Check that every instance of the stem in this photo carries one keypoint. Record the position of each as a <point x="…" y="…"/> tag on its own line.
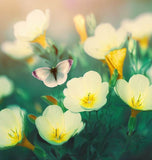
<point x="97" y="115"/>
<point x="134" y="113"/>
<point x="132" y="121"/>
<point x="26" y="143"/>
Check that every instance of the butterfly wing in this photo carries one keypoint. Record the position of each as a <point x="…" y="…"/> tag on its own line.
<point x="44" y="74"/>
<point x="63" y="69"/>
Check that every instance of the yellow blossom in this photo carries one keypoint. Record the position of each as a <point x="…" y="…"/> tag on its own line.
<point x="79" y="22"/>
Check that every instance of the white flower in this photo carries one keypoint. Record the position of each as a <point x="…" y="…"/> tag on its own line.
<point x="86" y="93"/>
<point x="57" y="127"/>
<point x="17" y="49"/>
<point x="11" y="126"/>
<point x="140" y="28"/>
<point x="35" y="25"/>
<point x="6" y="86"/>
<point x="136" y="93"/>
<point x="106" y="39"/>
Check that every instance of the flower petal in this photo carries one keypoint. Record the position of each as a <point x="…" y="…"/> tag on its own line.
<point x="44" y="127"/>
<point x="123" y="90"/>
<point x="138" y="83"/>
<point x="55" y="116"/>
<point x="72" y="121"/>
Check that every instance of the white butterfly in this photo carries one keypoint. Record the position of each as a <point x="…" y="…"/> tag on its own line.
<point x="52" y="77"/>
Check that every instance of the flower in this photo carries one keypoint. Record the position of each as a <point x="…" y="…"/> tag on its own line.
<point x="136" y="93"/>
<point x="107" y="45"/>
<point x="86" y="93"/>
<point x="140" y="28"/>
<point x="57" y="127"/>
<point x="17" y="49"/>
<point x="6" y="86"/>
<point x="34" y="28"/>
<point x="79" y="22"/>
<point x="106" y="39"/>
<point x="11" y="126"/>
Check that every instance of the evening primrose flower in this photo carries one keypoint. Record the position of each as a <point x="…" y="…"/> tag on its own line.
<point x="86" y="93"/>
<point x="12" y="128"/>
<point x="57" y="127"/>
<point x="79" y="22"/>
<point x="136" y="93"/>
<point x="34" y="28"/>
<point x="17" y="49"/>
<point x="107" y="45"/>
<point x="6" y="86"/>
<point x="140" y="28"/>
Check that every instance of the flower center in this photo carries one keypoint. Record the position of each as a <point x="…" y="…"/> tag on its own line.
<point x="58" y="136"/>
<point x="15" y="136"/>
<point x="137" y="104"/>
<point x="41" y="40"/>
<point x="88" y="101"/>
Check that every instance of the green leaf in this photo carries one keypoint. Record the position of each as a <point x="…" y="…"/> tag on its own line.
<point x="114" y="78"/>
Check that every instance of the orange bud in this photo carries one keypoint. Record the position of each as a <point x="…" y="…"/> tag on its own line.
<point x="79" y="22"/>
<point x="31" y="116"/>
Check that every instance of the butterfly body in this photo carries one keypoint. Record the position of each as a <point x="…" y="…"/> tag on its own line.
<point x="52" y="77"/>
<point x="54" y="72"/>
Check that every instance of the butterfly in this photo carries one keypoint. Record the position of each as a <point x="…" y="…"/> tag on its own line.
<point x="52" y="77"/>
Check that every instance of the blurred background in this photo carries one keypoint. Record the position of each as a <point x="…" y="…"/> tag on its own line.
<point x="63" y="11"/>
<point x="29" y="90"/>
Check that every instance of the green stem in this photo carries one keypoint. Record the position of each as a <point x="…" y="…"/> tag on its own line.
<point x="131" y="125"/>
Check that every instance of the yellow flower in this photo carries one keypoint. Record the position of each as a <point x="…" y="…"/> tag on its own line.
<point x="34" y="28"/>
<point x="86" y="93"/>
<point x="136" y="93"/>
<point x="11" y="126"/>
<point x="107" y="45"/>
<point x="17" y="49"/>
<point x="140" y="28"/>
<point x="79" y="22"/>
<point x="57" y="127"/>
<point x="6" y="86"/>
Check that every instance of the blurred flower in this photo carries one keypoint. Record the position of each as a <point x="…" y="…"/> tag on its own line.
<point x="136" y="93"/>
<point x="79" y="22"/>
<point x="107" y="45"/>
<point x="6" y="86"/>
<point x="140" y="28"/>
<point x="86" y="93"/>
<point x="34" y="28"/>
<point x="17" y="49"/>
<point x="11" y="126"/>
<point x="57" y="127"/>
